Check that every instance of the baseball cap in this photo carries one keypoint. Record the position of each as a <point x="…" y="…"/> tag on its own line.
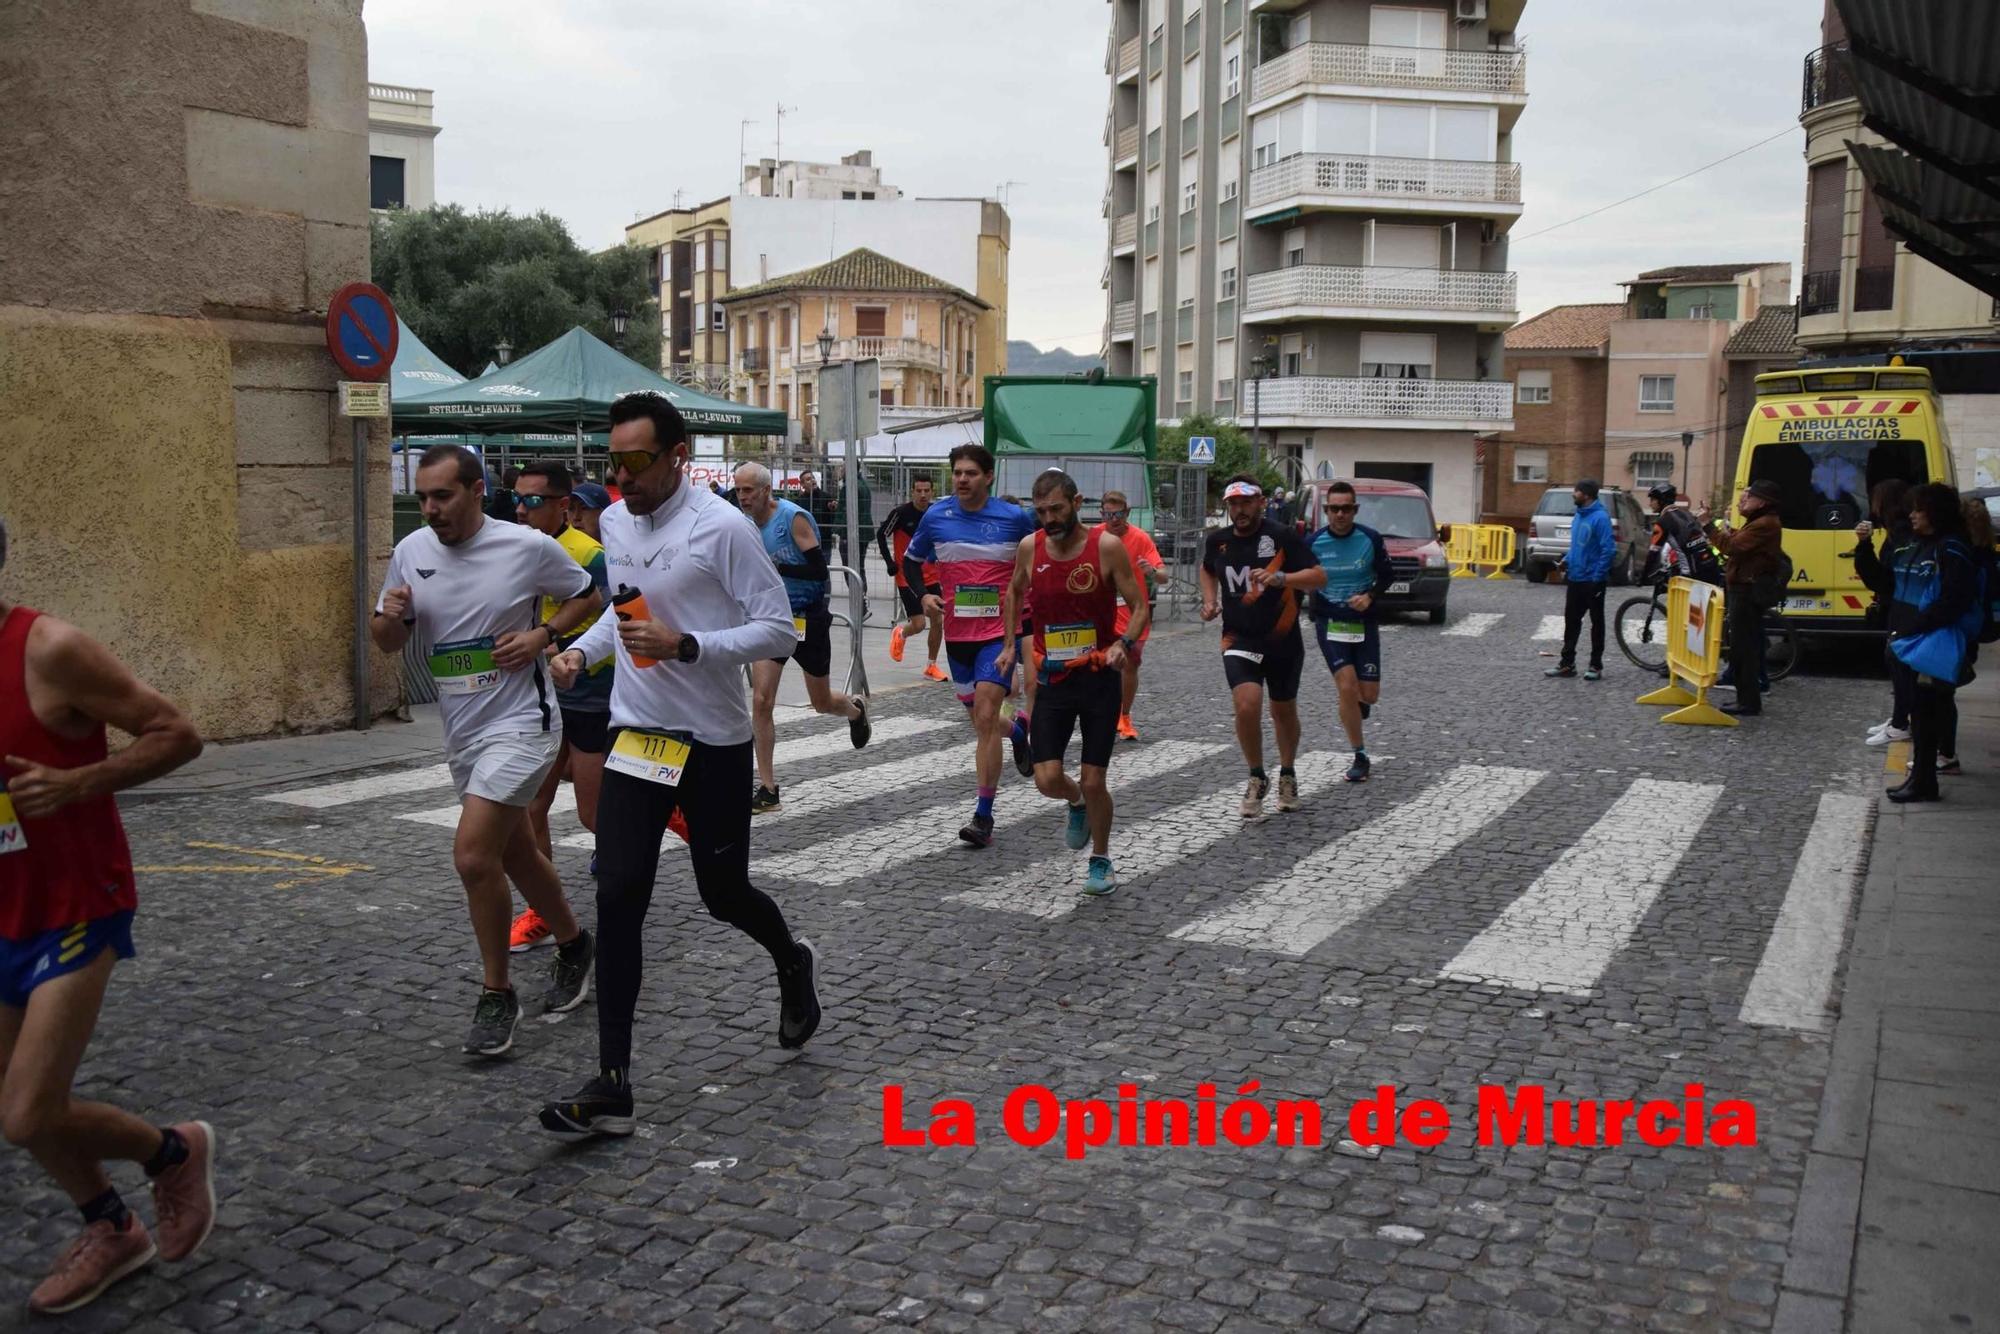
<point x="592" y="496"/>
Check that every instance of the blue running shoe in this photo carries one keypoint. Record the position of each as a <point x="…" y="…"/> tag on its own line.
<point x="1357" y="772"/>
<point x="1100" y="881"/>
<point x="1077" y="834"/>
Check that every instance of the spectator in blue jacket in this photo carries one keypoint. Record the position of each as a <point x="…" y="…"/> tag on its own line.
<point x="1588" y="569"/>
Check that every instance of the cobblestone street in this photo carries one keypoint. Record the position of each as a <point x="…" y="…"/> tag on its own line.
<point x="1540" y="885"/>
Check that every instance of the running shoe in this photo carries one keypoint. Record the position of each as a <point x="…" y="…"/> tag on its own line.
<point x="1888" y="734"/>
<point x="1593" y="674"/>
<point x="676" y="822"/>
<point x="764" y="801"/>
<point x="978" y="831"/>
<point x="1253" y="798"/>
<point x="601" y="1107"/>
<point x="1076" y="834"/>
<point x="896" y="644"/>
<point x="1357" y="772"/>
<point x="1882" y="726"/>
<point x="99" y="1257"/>
<point x="1560" y="671"/>
<point x="1024" y="759"/>
<point x="1365" y="707"/>
<point x="593" y="856"/>
<point x="1100" y="881"/>
<point x="798" y="998"/>
<point x="859" y="729"/>
<point x="1948" y="764"/>
<point x="569" y="975"/>
<point x="1288" y="792"/>
<point x="493" y="1023"/>
<point x="1127" y="732"/>
<point x="530" y="930"/>
<point x="935" y="673"/>
<point x="184" y="1194"/>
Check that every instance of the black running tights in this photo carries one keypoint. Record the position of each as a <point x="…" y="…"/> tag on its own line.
<point x="632" y="815"/>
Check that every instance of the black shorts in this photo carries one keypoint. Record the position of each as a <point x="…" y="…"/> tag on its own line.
<point x="1277" y="668"/>
<point x="913" y="601"/>
<point x="1364" y="655"/>
<point x="814" y="650"/>
<point x="1089" y="698"/>
<point x="585" y="731"/>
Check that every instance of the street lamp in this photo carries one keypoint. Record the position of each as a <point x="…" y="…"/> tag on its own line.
<point x="1687" y="443"/>
<point x="1258" y="366"/>
<point x="825" y="346"/>
<point x="618" y="319"/>
<point x="503" y="352"/>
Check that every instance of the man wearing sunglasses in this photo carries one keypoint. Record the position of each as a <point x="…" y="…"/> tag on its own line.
<point x="680" y="736"/>
<point x="1354" y="570"/>
<point x="1146" y="563"/>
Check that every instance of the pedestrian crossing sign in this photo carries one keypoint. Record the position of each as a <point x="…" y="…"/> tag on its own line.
<point x="1201" y="449"/>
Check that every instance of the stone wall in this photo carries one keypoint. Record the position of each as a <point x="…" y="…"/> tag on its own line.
<point x="183" y="186"/>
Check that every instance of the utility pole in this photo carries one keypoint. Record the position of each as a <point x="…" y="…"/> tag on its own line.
<point x="742" y="148"/>
<point x="778" y="148"/>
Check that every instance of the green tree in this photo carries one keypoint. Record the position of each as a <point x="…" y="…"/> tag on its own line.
<point x="465" y="282"/>
<point x="1233" y="453"/>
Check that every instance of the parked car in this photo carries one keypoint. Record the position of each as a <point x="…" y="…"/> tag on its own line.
<point x="1402" y="514"/>
<point x="1548" y="533"/>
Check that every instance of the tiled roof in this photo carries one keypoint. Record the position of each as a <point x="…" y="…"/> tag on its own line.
<point x="1701" y="273"/>
<point x="1585" y="326"/>
<point x="858" y="270"/>
<point x="1774" y="333"/>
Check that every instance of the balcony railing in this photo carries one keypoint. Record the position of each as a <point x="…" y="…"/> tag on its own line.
<point x="1124" y="319"/>
<point x="1828" y="77"/>
<point x="1819" y="293"/>
<point x="755" y="358"/>
<point x="1383" y="287"/>
<point x="1439" y="180"/>
<point x="1128" y="58"/>
<point x="906" y="351"/>
<point x="1127" y="144"/>
<point x="1391" y="67"/>
<point x="1125" y="230"/>
<point x="1343" y="398"/>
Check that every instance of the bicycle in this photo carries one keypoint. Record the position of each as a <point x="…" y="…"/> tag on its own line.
<point x="1641" y="628"/>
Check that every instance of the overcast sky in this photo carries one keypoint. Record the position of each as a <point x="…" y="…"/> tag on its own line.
<point x="599" y="110"/>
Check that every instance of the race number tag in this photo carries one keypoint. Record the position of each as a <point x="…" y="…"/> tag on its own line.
<point x="12" y="838"/>
<point x="976" y="602"/>
<point x="1346" y="632"/>
<point x="1067" y="643"/>
<point x="655" y="757"/>
<point x="465" y="667"/>
<point x="798" y="627"/>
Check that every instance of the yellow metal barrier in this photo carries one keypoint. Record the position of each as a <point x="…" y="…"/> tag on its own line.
<point x="1694" y="654"/>
<point x="1475" y="544"/>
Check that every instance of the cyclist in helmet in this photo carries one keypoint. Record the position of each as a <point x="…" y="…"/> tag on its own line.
<point x="1679" y="544"/>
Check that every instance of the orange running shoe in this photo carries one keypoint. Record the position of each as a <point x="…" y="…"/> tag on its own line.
<point x="1125" y="728"/>
<point x="529" y="931"/>
<point x="935" y="673"/>
<point x="896" y="644"/>
<point x="678" y="823"/>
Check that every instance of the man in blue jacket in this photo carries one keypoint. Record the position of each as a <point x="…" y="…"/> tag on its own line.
<point x="1589" y="567"/>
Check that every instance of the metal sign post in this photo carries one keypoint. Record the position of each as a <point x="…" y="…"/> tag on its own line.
<point x="361" y="335"/>
<point x="850" y="397"/>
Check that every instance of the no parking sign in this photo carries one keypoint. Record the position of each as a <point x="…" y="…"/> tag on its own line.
<point x="361" y="331"/>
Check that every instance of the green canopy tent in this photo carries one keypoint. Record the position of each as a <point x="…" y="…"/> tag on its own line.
<point x="570" y="385"/>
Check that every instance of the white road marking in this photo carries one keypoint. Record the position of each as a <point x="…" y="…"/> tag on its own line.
<point x="1049" y="888"/>
<point x="1550" y="628"/>
<point x="1338" y="882"/>
<point x="1565" y="930"/>
<point x="1476" y="624"/>
<point x="1795" y="976"/>
<point x="836" y="861"/>
<point x="364" y="789"/>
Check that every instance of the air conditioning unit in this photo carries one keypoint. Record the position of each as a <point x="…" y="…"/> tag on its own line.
<point x="1471" y="11"/>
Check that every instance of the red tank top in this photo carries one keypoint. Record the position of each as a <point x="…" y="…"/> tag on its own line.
<point x="1076" y="607"/>
<point x="73" y="866"/>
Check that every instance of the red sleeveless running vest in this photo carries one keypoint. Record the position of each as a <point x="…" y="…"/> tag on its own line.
<point x="70" y="867"/>
<point x="1070" y="594"/>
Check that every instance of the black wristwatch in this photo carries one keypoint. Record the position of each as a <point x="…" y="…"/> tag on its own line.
<point x="689" y="650"/>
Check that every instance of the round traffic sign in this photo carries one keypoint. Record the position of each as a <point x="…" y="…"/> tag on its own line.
<point x="361" y="331"/>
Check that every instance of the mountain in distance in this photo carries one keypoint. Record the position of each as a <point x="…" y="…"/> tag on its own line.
<point x="1024" y="358"/>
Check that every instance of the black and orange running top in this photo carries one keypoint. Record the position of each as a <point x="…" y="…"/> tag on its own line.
<point x="1257" y="620"/>
<point x="1076" y="607"/>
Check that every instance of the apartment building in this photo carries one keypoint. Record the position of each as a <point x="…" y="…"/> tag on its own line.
<point x="691" y="272"/>
<point x="923" y="330"/>
<point x="402" y="147"/>
<point x="853" y="177"/>
<point x="1318" y="192"/>
<point x="1560" y="361"/>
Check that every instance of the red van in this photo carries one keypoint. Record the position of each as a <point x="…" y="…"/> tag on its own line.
<point x="1402" y="514"/>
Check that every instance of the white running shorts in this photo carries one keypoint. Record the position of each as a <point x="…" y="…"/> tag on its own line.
<point x="508" y="768"/>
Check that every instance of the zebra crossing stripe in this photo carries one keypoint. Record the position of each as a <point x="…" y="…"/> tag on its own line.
<point x="1476" y="624"/>
<point x="1795" y="976"/>
<point x="837" y="861"/>
<point x="1565" y="930"/>
<point x="1048" y="889"/>
<point x="1550" y="628"/>
<point x="365" y="789"/>
<point x="1338" y="882"/>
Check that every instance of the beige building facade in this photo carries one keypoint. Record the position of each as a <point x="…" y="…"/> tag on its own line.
<point x="178" y="479"/>
<point x="691" y="274"/>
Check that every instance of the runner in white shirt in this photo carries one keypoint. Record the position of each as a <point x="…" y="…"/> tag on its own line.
<point x="468" y="588"/>
<point x="709" y="601"/>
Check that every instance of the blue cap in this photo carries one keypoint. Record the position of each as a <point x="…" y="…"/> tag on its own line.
<point x="592" y="496"/>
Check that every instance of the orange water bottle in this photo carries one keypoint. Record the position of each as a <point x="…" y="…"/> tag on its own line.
<point x="628" y="604"/>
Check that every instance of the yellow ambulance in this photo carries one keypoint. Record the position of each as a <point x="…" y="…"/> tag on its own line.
<point x="1827" y="437"/>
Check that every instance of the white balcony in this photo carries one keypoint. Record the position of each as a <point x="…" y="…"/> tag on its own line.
<point x="1124" y="232"/>
<point x="1334" y="292"/>
<point x="1436" y="74"/>
<point x="889" y="351"/>
<point x="1326" y="400"/>
<point x="1128" y="60"/>
<point x="1124" y="321"/>
<point x="1338" y="181"/>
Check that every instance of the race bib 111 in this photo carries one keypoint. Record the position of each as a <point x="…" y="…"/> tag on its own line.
<point x="653" y="757"/>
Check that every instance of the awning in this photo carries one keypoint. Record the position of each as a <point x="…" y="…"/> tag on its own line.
<point x="1650" y="456"/>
